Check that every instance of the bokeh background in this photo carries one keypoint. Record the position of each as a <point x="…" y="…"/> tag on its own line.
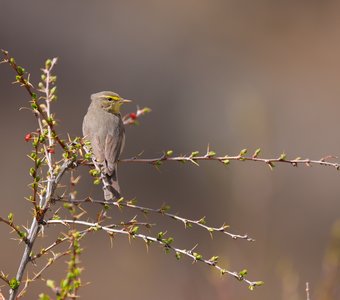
<point x="234" y="74"/>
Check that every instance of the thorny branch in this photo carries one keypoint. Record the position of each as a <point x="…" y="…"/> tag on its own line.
<point x="163" y="211"/>
<point x="56" y="243"/>
<point x="35" y="227"/>
<point x="45" y="120"/>
<point x="50" y="261"/>
<point x="167" y="245"/>
<point x="21" y="234"/>
<point x="37" y="109"/>
<point x="4" y="277"/>
<point x="194" y="158"/>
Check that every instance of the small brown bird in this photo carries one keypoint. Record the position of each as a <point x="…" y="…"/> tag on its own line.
<point x="104" y="128"/>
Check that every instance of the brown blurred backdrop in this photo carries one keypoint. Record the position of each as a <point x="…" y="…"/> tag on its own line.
<point x="235" y="74"/>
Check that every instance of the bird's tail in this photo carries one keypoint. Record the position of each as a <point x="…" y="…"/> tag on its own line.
<point x="111" y="186"/>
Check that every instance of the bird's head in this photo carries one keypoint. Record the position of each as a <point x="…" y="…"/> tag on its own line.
<point x="109" y="101"/>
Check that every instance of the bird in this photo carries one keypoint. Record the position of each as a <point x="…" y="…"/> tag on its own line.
<point x="104" y="129"/>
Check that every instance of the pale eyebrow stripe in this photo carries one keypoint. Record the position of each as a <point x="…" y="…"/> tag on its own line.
<point x="113" y="97"/>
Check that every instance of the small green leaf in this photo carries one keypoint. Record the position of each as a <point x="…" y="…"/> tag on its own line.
<point x="48" y="64"/>
<point x="10" y="217"/>
<point x="168" y="241"/>
<point x="188" y="224"/>
<point x="243" y="273"/>
<point x="50" y="283"/>
<point x="132" y="201"/>
<point x="22" y="234"/>
<point x="160" y="235"/>
<point x="202" y="221"/>
<point x="96" y="228"/>
<point x="282" y="156"/>
<point x="214" y="259"/>
<point x="33" y="155"/>
<point x="44" y="297"/>
<point x="120" y="200"/>
<point x="53" y="90"/>
<point x="257" y="152"/>
<point x="211" y="153"/>
<point x="134" y="230"/>
<point x="255" y="284"/>
<point x="96" y="181"/>
<point x="14" y="283"/>
<point x="68" y="205"/>
<point x="158" y="163"/>
<point x="146" y="110"/>
<point x="20" y="70"/>
<point x="194" y="153"/>
<point x="94" y="172"/>
<point x="64" y="284"/>
<point x="226" y="162"/>
<point x="56" y="217"/>
<point x="165" y="208"/>
<point x="243" y="152"/>
<point x="38" y="162"/>
<point x="197" y="256"/>
<point x="169" y="152"/>
<point x="32" y="172"/>
<point x="178" y="255"/>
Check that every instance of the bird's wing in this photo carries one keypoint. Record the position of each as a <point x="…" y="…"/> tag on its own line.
<point x="90" y="134"/>
<point x="113" y="148"/>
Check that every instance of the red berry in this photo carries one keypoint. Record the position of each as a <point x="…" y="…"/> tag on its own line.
<point x="133" y="116"/>
<point x="27" y="137"/>
<point x="51" y="150"/>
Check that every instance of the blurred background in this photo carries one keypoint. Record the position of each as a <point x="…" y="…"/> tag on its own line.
<point x="229" y="73"/>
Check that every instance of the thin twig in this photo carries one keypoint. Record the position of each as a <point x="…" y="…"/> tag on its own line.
<point x="226" y="159"/>
<point x="57" y="242"/>
<point x="29" y="88"/>
<point x="163" y="211"/>
<point x="132" y="118"/>
<point x="16" y="229"/>
<point x="307" y="291"/>
<point x="4" y="278"/>
<point x="37" y="275"/>
<point x="149" y="239"/>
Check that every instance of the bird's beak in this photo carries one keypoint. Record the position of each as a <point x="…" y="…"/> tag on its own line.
<point x="126" y="101"/>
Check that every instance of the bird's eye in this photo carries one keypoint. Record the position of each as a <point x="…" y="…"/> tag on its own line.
<point x="112" y="98"/>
